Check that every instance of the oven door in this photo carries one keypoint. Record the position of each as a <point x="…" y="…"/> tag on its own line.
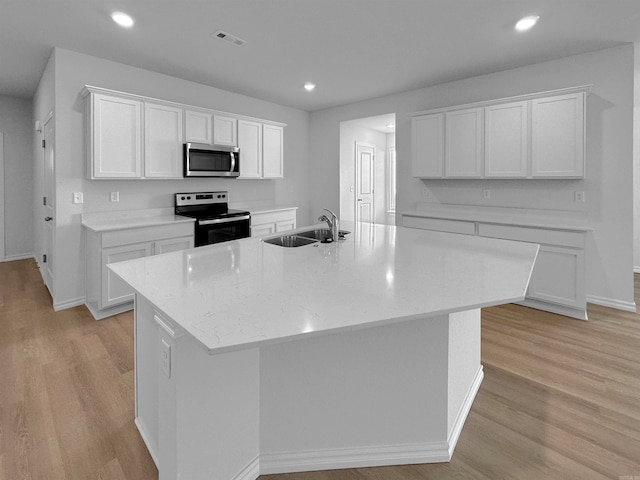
<point x="222" y="230"/>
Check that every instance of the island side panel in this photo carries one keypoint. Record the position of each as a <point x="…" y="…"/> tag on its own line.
<point x="369" y="397"/>
<point x="146" y="375"/>
<point x="198" y="413"/>
<point x="465" y="369"/>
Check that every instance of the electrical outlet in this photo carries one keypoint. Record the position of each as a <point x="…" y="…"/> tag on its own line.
<point x="425" y="192"/>
<point x="579" y="196"/>
<point x="115" y="197"/>
<point x="165" y="358"/>
<point x="78" y="197"/>
<point x="486" y="194"/>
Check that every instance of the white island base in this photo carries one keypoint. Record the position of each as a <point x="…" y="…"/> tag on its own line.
<point x="382" y="395"/>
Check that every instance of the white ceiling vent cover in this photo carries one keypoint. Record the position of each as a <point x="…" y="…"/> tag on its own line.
<point x="227" y="37"/>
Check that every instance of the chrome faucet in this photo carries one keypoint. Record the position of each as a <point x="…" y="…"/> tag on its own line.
<point x="333" y="223"/>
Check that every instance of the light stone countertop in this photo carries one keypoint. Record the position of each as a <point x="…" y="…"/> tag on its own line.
<point x="243" y="293"/>
<point x="120" y="220"/>
<point x="549" y="219"/>
<point x="260" y="207"/>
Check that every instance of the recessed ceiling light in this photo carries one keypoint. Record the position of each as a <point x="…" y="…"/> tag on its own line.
<point x="526" y="23"/>
<point x="122" y="19"/>
<point x="309" y="87"/>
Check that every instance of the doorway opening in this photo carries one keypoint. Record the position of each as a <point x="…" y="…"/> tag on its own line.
<point x="368" y="169"/>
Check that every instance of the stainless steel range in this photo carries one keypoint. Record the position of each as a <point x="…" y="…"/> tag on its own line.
<point x="215" y="221"/>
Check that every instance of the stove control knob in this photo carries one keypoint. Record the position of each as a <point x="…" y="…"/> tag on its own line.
<point x="188" y="198"/>
<point x="181" y="198"/>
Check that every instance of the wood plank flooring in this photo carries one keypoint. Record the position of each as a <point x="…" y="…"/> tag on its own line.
<point x="560" y="398"/>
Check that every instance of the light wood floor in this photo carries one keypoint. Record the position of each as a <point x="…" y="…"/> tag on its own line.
<point x="560" y="398"/>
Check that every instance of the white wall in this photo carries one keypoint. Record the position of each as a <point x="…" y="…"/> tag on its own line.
<point x="72" y="72"/>
<point x="17" y="126"/>
<point x="636" y="159"/>
<point x="608" y="184"/>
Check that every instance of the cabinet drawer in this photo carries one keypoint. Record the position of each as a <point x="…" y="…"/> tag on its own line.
<point x="146" y="234"/>
<point x="534" y="235"/>
<point x="440" y="225"/>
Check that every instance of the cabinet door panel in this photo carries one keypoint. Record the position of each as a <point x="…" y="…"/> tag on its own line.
<point x="506" y="140"/>
<point x="558" y="277"/>
<point x="272" y="151"/>
<point x="172" y="245"/>
<point x="162" y="141"/>
<point x="198" y="127"/>
<point x="114" y="290"/>
<point x="285" y="225"/>
<point x="463" y="149"/>
<point x="427" y="154"/>
<point x="225" y="130"/>
<point x="250" y="144"/>
<point x="558" y="136"/>
<point x="117" y="137"/>
<point x="264" y="229"/>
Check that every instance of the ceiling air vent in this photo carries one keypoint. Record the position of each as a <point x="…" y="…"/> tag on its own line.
<point x="227" y="37"/>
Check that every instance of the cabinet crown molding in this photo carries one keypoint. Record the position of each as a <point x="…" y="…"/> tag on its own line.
<point x="586" y="89"/>
<point x="88" y="89"/>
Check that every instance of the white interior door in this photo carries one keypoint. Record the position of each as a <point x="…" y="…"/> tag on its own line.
<point x="49" y="205"/>
<point x="365" y="181"/>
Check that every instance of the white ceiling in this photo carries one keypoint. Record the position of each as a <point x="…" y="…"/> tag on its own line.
<point x="352" y="49"/>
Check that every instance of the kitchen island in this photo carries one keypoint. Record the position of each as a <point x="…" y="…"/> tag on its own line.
<point x="252" y="358"/>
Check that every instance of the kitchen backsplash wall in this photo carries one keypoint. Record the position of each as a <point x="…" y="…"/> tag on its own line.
<point x="608" y="184"/>
<point x="72" y="72"/>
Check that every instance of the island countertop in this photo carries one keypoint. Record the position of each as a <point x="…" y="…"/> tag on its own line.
<point x="244" y="293"/>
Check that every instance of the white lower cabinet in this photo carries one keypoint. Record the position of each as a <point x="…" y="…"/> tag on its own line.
<point x="558" y="279"/>
<point x="273" y="221"/>
<point x="114" y="291"/>
<point x="106" y="294"/>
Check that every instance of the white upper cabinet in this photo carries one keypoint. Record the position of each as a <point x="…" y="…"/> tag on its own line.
<point x="225" y="130"/>
<point x="427" y="137"/>
<point x="272" y="151"/>
<point x="114" y="137"/>
<point x="506" y="144"/>
<point x="539" y="135"/>
<point x="250" y="144"/>
<point x="558" y="136"/>
<point x="463" y="146"/>
<point x="130" y="136"/>
<point x="162" y="141"/>
<point x="198" y="127"/>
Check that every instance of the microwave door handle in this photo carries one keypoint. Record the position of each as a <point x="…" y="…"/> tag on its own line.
<point x="233" y="162"/>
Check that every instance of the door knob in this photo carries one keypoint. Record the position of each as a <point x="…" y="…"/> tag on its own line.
<point x="48" y="219"/>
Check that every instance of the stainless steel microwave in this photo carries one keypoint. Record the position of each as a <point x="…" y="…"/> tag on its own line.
<point x="203" y="160"/>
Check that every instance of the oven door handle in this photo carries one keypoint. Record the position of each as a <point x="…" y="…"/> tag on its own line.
<point x="223" y="220"/>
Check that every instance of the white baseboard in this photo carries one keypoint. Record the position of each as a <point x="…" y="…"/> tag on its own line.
<point x="377" y="456"/>
<point x="612" y="303"/>
<point x="74" y="302"/>
<point x="250" y="472"/>
<point x="465" y="408"/>
<point x="22" y="256"/>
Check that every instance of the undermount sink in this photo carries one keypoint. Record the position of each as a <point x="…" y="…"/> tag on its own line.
<point x="290" y="241"/>
<point x="301" y="239"/>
